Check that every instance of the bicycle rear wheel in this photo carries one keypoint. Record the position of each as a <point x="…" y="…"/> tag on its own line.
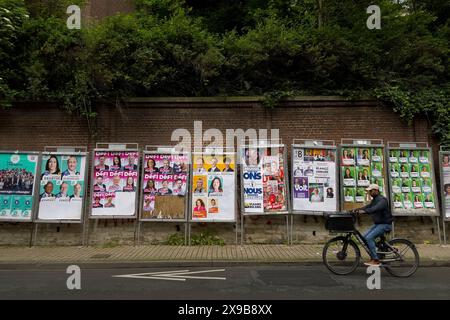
<point x="341" y="256"/>
<point x="405" y="256"/>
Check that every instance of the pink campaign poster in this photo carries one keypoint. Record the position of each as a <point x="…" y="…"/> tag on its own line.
<point x="114" y="183"/>
<point x="164" y="186"/>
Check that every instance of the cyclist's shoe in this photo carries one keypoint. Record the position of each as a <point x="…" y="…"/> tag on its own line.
<point x="373" y="263"/>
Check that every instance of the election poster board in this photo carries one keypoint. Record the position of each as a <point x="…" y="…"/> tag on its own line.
<point x="412" y="182"/>
<point x="264" y="184"/>
<point x="62" y="187"/>
<point x="18" y="171"/>
<point x="314" y="179"/>
<point x="114" y="183"/>
<point x="361" y="163"/>
<point x="165" y="185"/>
<point x="444" y="160"/>
<point x="213" y="187"/>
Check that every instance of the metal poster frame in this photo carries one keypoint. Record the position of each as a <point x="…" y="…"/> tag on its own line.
<point x="312" y="144"/>
<point x="277" y="143"/>
<point x="35" y="184"/>
<point x="151" y="149"/>
<point x="83" y="207"/>
<point x="360" y="143"/>
<point x="212" y="151"/>
<point x="443" y="151"/>
<point x="66" y="150"/>
<point x="114" y="147"/>
<point x="35" y="191"/>
<point x="414" y="146"/>
<point x="394" y="145"/>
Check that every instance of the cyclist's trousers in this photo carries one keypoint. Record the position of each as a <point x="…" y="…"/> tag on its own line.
<point x="374" y="232"/>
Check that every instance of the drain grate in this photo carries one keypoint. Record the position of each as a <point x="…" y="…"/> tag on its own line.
<point x="100" y="256"/>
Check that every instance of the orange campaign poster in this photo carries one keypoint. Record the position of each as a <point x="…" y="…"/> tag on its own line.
<point x="214" y="187"/>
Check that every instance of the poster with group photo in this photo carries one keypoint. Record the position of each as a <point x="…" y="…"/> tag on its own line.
<point x="214" y="187"/>
<point x="61" y="187"/>
<point x="164" y="186"/>
<point x="114" y="183"/>
<point x="314" y="186"/>
<point x="360" y="167"/>
<point x="17" y="180"/>
<point x="412" y="187"/>
<point x="445" y="167"/>
<point x="263" y="180"/>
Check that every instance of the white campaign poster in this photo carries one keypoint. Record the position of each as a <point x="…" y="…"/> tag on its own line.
<point x="445" y="165"/>
<point x="62" y="187"/>
<point x="314" y="185"/>
<point x="264" y="185"/>
<point x="252" y="181"/>
<point x="214" y="187"/>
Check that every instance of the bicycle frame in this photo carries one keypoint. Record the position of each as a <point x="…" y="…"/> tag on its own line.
<point x="363" y="242"/>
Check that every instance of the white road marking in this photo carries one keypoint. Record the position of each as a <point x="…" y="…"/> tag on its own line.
<point x="179" y="275"/>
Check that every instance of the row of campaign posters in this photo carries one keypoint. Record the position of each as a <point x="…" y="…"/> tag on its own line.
<point x="59" y="183"/>
<point x="445" y="165"/>
<point x="263" y="180"/>
<point x="412" y="188"/>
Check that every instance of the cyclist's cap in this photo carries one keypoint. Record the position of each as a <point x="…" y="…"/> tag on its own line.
<point x="373" y="187"/>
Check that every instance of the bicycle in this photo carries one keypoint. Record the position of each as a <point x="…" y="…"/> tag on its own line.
<point x="341" y="255"/>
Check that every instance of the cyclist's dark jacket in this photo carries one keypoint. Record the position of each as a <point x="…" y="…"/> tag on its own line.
<point x="379" y="210"/>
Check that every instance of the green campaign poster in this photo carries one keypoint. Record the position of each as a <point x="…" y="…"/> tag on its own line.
<point x="361" y="166"/>
<point x="349" y="195"/>
<point x="411" y="174"/>
<point x="17" y="180"/>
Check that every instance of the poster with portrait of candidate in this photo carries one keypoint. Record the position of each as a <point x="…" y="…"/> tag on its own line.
<point x="314" y="186"/>
<point x="164" y="186"/>
<point x="17" y="181"/>
<point x="412" y="176"/>
<point x="214" y="187"/>
<point x="445" y="182"/>
<point x="349" y="195"/>
<point x="264" y="188"/>
<point x="114" y="183"/>
<point x="368" y="168"/>
<point x="62" y="186"/>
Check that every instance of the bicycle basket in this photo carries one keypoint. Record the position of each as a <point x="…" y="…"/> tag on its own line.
<point x="340" y="222"/>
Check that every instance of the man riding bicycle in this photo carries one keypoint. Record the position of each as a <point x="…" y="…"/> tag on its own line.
<point x="381" y="215"/>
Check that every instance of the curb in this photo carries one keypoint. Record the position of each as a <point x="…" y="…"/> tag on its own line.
<point x="14" y="265"/>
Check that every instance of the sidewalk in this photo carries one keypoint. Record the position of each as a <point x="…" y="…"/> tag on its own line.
<point x="431" y="255"/>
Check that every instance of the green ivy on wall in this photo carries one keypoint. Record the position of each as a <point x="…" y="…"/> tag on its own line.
<point x="273" y="48"/>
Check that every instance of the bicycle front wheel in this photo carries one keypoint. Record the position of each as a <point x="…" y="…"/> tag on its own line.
<point x="341" y="255"/>
<point x="403" y="259"/>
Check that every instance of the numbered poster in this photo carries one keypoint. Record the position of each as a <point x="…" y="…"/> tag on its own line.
<point x="412" y="186"/>
<point x="114" y="183"/>
<point x="314" y="185"/>
<point x="62" y="187"/>
<point x="360" y="167"/>
<point x="445" y="167"/>
<point x="263" y="179"/>
<point x="214" y="187"/>
<point x="164" y="185"/>
<point x="17" y="180"/>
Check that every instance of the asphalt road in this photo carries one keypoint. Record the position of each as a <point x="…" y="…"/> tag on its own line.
<point x="260" y="282"/>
